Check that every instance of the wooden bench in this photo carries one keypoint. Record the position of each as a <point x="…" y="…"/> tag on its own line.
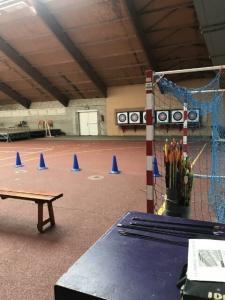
<point x="38" y="198"/>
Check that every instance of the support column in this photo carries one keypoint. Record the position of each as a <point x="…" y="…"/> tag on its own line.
<point x="149" y="140"/>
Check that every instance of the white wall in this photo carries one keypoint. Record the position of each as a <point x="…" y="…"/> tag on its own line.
<point x="65" y="118"/>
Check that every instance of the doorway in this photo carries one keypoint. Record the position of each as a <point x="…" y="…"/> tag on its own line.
<point x="88" y="122"/>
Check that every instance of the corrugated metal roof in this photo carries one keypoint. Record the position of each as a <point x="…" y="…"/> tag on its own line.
<point x="211" y="15"/>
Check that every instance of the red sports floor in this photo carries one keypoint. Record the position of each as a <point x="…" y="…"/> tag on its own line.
<point x="31" y="263"/>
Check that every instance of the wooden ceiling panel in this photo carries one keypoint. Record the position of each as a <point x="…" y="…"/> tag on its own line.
<point x="119" y="60"/>
<point x="36" y="44"/>
<point x="78" y="77"/>
<point x="101" y="33"/>
<point x="24" y="28"/>
<point x="10" y="76"/>
<point x="41" y="99"/>
<point x="114" y="75"/>
<point x="97" y="11"/>
<point x="32" y="92"/>
<point x="13" y="16"/>
<point x="21" y="84"/>
<point x="58" y="6"/>
<point x="127" y="81"/>
<point x="84" y="85"/>
<point x="54" y="57"/>
<point x="49" y="68"/>
<point x="111" y="49"/>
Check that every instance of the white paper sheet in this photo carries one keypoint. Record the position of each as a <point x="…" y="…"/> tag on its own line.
<point x="206" y="260"/>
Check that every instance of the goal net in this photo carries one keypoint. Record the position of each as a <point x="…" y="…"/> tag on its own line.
<point x="205" y="141"/>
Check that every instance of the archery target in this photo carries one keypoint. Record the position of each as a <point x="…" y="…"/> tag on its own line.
<point x="135" y="117"/>
<point x="162" y="116"/>
<point x="144" y="117"/>
<point x="122" y="118"/>
<point x="193" y="115"/>
<point x="177" y="116"/>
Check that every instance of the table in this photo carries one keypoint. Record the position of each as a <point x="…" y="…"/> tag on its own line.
<point x="125" y="268"/>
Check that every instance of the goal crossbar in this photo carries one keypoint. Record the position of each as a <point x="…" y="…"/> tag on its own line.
<point x="211" y="68"/>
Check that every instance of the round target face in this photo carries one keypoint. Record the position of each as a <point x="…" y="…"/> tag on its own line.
<point x="162" y="116"/>
<point x="122" y="117"/>
<point x="177" y="116"/>
<point x="134" y="117"/>
<point x="192" y="115"/>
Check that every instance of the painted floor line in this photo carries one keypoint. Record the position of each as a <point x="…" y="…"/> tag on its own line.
<point x="208" y="176"/>
<point x="197" y="157"/>
<point x="69" y="152"/>
<point x="28" y="153"/>
<point x="32" y="148"/>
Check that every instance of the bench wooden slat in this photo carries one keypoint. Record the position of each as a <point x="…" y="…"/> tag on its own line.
<point x="25" y="192"/>
<point x="29" y="196"/>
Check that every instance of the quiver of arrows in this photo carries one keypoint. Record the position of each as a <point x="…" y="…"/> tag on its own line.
<point x="178" y="175"/>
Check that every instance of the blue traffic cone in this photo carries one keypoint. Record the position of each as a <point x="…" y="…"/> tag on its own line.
<point x="42" y="165"/>
<point x="75" y="164"/>
<point x="155" y="168"/>
<point x="18" y="160"/>
<point x="114" y="166"/>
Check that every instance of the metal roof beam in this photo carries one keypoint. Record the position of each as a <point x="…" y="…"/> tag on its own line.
<point x="167" y="28"/>
<point x="20" y="61"/>
<point x="186" y="44"/>
<point x="69" y="45"/>
<point x="180" y="59"/>
<point x="146" y="6"/>
<point x="6" y="89"/>
<point x="188" y="4"/>
<point x="159" y="43"/>
<point x="142" y="37"/>
<point x="162" y="19"/>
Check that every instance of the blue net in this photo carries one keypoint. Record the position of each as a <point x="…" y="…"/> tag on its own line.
<point x="209" y="101"/>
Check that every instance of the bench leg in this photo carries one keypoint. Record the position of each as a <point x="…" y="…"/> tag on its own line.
<point x="41" y="223"/>
<point x="51" y="213"/>
<point x="40" y="217"/>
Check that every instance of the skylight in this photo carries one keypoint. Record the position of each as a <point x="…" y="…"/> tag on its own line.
<point x="7" y="6"/>
<point x="10" y="5"/>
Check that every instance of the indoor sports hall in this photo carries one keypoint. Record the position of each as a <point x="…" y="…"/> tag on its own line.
<point x="112" y="149"/>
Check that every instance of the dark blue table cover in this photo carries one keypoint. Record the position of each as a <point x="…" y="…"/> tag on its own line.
<point x="124" y="268"/>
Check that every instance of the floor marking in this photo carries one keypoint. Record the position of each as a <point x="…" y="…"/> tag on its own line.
<point x="26" y="154"/>
<point x="32" y="148"/>
<point x="197" y="157"/>
<point x="21" y="171"/>
<point x="95" y="177"/>
<point x="208" y="176"/>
